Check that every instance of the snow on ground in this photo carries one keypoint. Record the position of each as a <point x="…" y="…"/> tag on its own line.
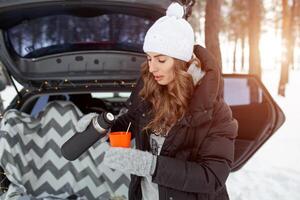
<point x="7" y="95"/>
<point x="273" y="173"/>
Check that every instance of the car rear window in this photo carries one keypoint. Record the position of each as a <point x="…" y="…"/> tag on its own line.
<point x="242" y="92"/>
<point x="63" y="33"/>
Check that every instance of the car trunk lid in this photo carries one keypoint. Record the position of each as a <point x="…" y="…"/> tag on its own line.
<point x="47" y="43"/>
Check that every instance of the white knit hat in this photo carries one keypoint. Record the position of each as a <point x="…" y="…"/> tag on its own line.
<point x="171" y="35"/>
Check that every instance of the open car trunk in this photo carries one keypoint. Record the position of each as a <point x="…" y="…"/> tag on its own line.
<point x="50" y="41"/>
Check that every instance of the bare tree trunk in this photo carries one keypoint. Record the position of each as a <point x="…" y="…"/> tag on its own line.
<point x="298" y="28"/>
<point x="234" y="54"/>
<point x="284" y="60"/>
<point x="288" y="40"/>
<point x="254" y="37"/>
<point x="292" y="35"/>
<point x="243" y="53"/>
<point x="277" y="17"/>
<point x="195" y="17"/>
<point x="212" y="28"/>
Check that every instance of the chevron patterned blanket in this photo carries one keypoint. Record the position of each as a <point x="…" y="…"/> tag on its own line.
<point x="31" y="158"/>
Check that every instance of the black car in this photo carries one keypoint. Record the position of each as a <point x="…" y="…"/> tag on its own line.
<point x="85" y="56"/>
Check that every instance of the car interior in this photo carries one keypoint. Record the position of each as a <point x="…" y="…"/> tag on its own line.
<point x="39" y="165"/>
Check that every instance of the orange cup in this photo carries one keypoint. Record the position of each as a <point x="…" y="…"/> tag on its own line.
<point x="120" y="139"/>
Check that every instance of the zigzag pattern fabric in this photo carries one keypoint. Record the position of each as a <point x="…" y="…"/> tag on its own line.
<point x="31" y="157"/>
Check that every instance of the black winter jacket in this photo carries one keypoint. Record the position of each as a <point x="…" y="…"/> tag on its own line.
<point x="197" y="154"/>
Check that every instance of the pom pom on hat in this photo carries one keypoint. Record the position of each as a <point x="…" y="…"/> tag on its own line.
<point x="176" y="10"/>
<point x="171" y="35"/>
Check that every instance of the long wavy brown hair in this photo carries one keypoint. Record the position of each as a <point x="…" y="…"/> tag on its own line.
<point x="169" y="102"/>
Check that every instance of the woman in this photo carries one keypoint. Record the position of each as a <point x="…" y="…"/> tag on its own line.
<point x="183" y="129"/>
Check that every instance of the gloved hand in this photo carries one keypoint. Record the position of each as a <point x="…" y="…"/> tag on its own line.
<point x="84" y="122"/>
<point x="133" y="161"/>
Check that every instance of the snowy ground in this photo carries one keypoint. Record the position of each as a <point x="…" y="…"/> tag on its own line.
<point x="273" y="173"/>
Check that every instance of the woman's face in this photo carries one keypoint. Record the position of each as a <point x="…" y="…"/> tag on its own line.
<point x="161" y="67"/>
